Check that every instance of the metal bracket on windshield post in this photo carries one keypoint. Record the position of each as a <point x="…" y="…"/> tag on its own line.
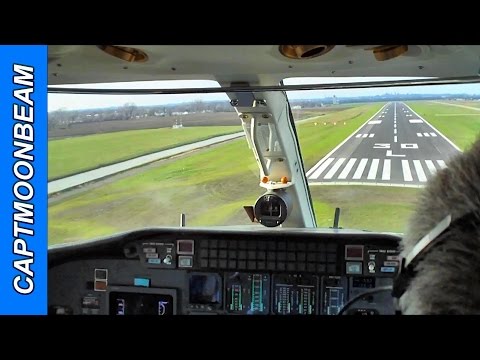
<point x="266" y="122"/>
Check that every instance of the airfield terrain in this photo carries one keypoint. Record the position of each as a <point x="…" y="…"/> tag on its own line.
<point x="396" y="147"/>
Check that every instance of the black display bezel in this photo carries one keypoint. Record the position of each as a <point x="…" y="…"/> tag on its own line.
<point x="206" y="306"/>
<point x="141" y="290"/>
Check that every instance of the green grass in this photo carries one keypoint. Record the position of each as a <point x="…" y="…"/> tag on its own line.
<point x="320" y="135"/>
<point x="365" y="207"/>
<point x="212" y="185"/>
<point x="73" y="155"/>
<point x="462" y="130"/>
<point x="475" y="104"/>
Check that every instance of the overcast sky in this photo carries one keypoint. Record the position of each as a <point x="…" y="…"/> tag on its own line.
<point x="71" y="102"/>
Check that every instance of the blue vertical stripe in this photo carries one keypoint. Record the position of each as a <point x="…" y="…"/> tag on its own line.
<point x="23" y="180"/>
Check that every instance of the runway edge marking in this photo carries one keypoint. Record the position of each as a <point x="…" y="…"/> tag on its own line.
<point x="434" y="128"/>
<point x="309" y="172"/>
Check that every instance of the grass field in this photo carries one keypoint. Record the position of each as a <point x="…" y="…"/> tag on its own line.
<point x="364" y="207"/>
<point x="319" y="136"/>
<point x="77" y="154"/>
<point x="150" y="122"/>
<point x="460" y="125"/>
<point x="223" y="178"/>
<point x="299" y="114"/>
<point x="475" y="104"/>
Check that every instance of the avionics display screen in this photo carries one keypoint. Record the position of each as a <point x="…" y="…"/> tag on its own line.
<point x="128" y="303"/>
<point x="205" y="289"/>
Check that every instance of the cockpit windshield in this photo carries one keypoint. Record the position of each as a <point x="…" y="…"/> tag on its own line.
<point x="119" y="162"/>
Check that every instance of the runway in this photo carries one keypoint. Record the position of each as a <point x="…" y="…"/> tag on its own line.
<point x="395" y="147"/>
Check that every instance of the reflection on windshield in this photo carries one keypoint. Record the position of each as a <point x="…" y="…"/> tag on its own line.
<point x="368" y="153"/>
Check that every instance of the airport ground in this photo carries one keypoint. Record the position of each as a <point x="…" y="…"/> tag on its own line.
<point x="213" y="184"/>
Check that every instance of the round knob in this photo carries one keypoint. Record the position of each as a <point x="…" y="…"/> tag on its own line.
<point x="167" y="260"/>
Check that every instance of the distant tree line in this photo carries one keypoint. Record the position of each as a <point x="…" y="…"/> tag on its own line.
<point x="64" y="118"/>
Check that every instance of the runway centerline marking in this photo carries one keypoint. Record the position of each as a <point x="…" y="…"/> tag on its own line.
<point x="357" y="163"/>
<point x="322" y="160"/>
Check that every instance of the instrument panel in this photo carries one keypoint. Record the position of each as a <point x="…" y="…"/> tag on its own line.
<point x="199" y="272"/>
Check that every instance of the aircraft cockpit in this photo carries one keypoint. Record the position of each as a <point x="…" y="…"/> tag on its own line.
<point x="192" y="180"/>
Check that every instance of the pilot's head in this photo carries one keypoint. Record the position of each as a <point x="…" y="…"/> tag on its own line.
<point x="446" y="277"/>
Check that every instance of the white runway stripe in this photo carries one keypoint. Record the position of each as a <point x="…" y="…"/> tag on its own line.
<point x="348" y="167"/>
<point x="415" y="121"/>
<point x="372" y="174"/>
<point x="433" y="134"/>
<point x="334" y="168"/>
<point x="322" y="168"/>
<point x="358" y="168"/>
<point x="364" y="136"/>
<point x="361" y="167"/>
<point x="387" y="164"/>
<point x="407" y="174"/>
<point x="426" y="134"/>
<point x="442" y="164"/>
<point x="431" y="166"/>
<point x="439" y="133"/>
<point x="419" y="134"/>
<point x="326" y="157"/>
<point x="419" y="169"/>
<point x="375" y="122"/>
<point x="395" y="138"/>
